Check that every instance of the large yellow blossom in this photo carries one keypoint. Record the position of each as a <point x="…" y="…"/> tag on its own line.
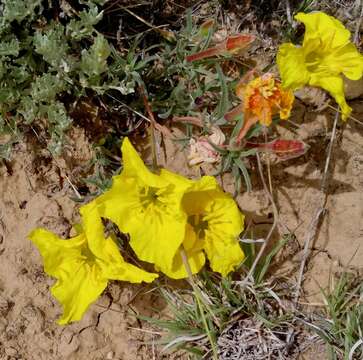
<point x="326" y="54"/>
<point x="213" y="226"/>
<point x="148" y="207"/>
<point x="83" y="264"/>
<point x="166" y="213"/>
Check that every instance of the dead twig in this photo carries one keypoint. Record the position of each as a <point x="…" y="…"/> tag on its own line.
<point x="288" y="12"/>
<point x="152" y="127"/>
<point x="356" y="33"/>
<point x="318" y="213"/>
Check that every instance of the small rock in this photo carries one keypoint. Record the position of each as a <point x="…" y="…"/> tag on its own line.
<point x="312" y="96"/>
<point x="3" y="324"/>
<point x="110" y="355"/>
<point x="4" y="305"/>
<point x="353" y="89"/>
<point x="69" y="344"/>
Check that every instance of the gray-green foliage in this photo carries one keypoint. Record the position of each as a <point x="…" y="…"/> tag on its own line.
<point x="42" y="60"/>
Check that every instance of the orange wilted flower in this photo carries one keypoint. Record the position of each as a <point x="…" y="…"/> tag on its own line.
<point x="231" y="46"/>
<point x="261" y="98"/>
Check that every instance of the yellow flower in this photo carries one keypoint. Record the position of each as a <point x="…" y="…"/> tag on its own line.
<point x="147" y="207"/>
<point x="213" y="226"/>
<point x="262" y="98"/>
<point x="83" y="264"/>
<point x="326" y="54"/>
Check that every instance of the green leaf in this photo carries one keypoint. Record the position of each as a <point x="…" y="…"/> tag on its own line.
<point x="52" y="45"/>
<point x="19" y="10"/>
<point x="57" y="116"/>
<point x="84" y="26"/>
<point x="8" y="96"/>
<point x="9" y="46"/>
<point x="94" y="61"/>
<point x="238" y="127"/>
<point x="223" y="105"/>
<point x="5" y="150"/>
<point x="19" y="74"/>
<point x="28" y="109"/>
<point x="244" y="172"/>
<point x="59" y="122"/>
<point x="265" y="263"/>
<point x="46" y="87"/>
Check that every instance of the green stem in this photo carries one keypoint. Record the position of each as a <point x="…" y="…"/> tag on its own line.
<point x="198" y="297"/>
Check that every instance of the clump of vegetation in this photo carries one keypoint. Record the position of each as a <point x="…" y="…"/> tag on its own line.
<point x="49" y="57"/>
<point x="249" y="320"/>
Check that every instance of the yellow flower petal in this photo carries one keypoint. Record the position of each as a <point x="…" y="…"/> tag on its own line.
<point x="113" y="265"/>
<point x="322" y="26"/>
<point x="77" y="288"/>
<point x="133" y="166"/>
<point x="54" y="250"/>
<point x="217" y="222"/>
<point x="291" y="64"/>
<point x="287" y="100"/>
<point x="193" y="248"/>
<point x="148" y="207"/>
<point x="83" y="265"/>
<point x="196" y="260"/>
<point x="175" y="179"/>
<point x="157" y="239"/>
<point x="223" y="256"/>
<point x="156" y="226"/>
<point x="225" y="223"/>
<point x="224" y="218"/>
<point x="335" y="86"/>
<point x="193" y="201"/>
<point x="78" y="283"/>
<point x="348" y="61"/>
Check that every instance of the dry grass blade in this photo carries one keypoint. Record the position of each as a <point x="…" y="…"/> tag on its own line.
<point x="354" y="348"/>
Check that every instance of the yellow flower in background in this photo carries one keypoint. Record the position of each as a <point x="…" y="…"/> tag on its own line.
<point x="147" y="207"/>
<point x="83" y="264"/>
<point x="326" y="54"/>
<point x="213" y="226"/>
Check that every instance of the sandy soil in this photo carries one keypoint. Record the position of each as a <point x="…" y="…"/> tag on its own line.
<point x="34" y="192"/>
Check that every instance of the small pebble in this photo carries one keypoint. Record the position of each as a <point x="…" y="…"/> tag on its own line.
<point x="3" y="324"/>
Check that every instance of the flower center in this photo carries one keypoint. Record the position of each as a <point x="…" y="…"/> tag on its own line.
<point x="314" y="61"/>
<point x="198" y="224"/>
<point x="268" y="88"/>
<point x="319" y="56"/>
<point x="149" y="196"/>
<point x="87" y="253"/>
